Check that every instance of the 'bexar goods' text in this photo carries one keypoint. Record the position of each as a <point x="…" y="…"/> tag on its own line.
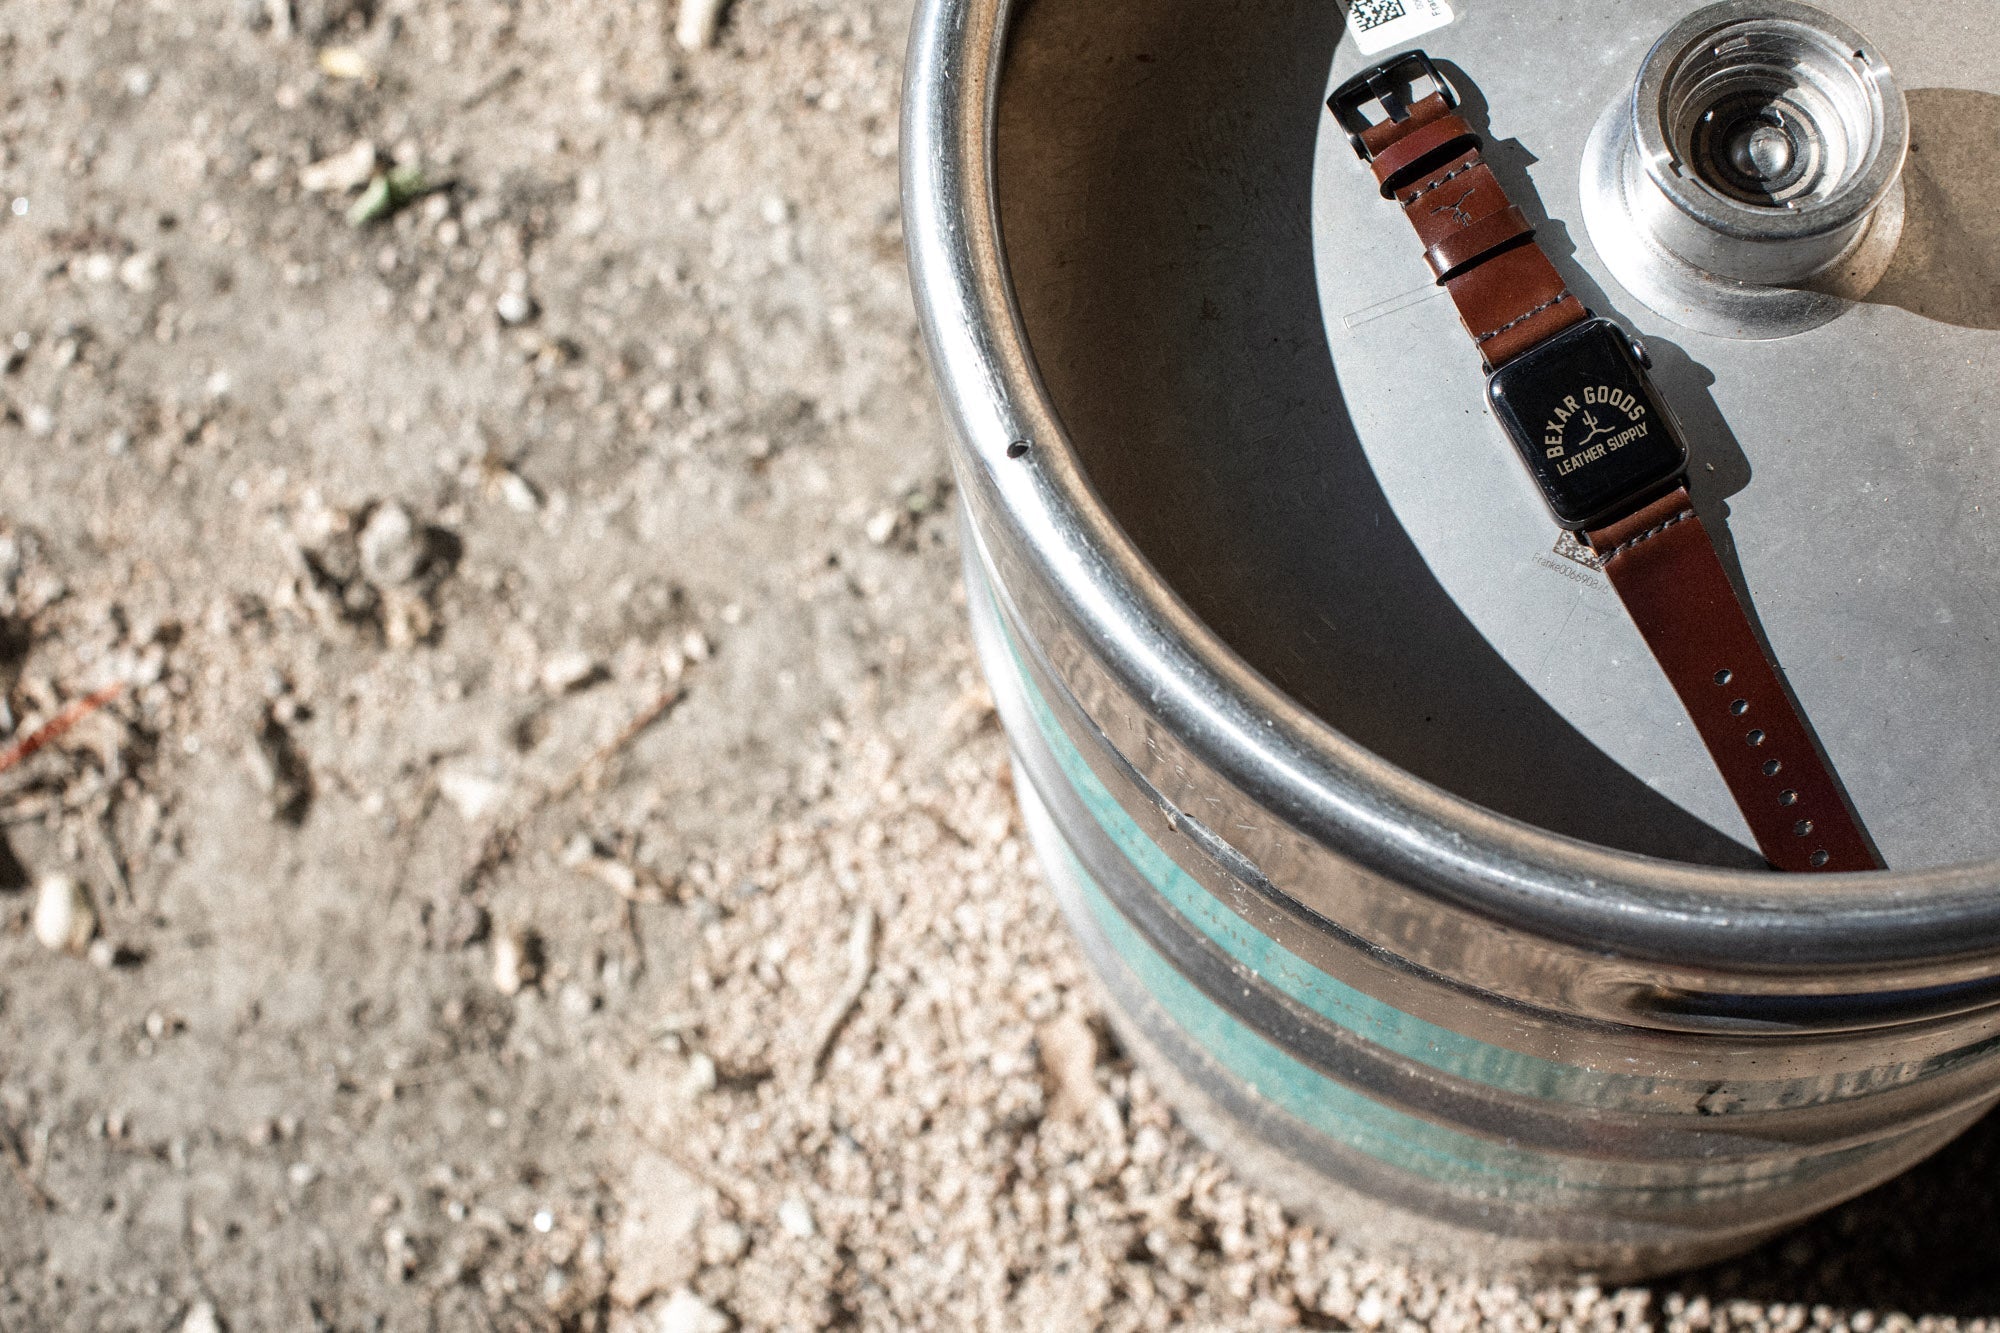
<point x="1593" y="416"/>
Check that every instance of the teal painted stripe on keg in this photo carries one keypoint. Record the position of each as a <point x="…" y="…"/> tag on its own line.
<point x="1342" y="1114"/>
<point x="1364" y="1015"/>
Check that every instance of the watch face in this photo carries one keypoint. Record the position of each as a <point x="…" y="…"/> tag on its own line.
<point x="1588" y="422"/>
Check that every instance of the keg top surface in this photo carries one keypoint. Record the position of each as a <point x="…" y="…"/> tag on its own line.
<point x="1279" y="406"/>
<point x="1210" y="483"/>
<point x="1848" y="472"/>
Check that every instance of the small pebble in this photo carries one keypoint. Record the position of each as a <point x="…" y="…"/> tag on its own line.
<point x="516" y="961"/>
<point x="344" y="171"/>
<point x="567" y="671"/>
<point x="514" y="307"/>
<point x="344" y="62"/>
<point x="473" y="796"/>
<point x="64" y="919"/>
<point x="882" y="527"/>
<point x="140" y="271"/>
<point x="685" y="1312"/>
<point x="392" y="546"/>
<point x="201" y="1318"/>
<point x="697" y="23"/>
<point x="518" y="494"/>
<point x="399" y="1253"/>
<point x="723" y="1242"/>
<point x="577" y="1001"/>
<point x="1069" y="1051"/>
<point x="701" y="1075"/>
<point x="796" y="1217"/>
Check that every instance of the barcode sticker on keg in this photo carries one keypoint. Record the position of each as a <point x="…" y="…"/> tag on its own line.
<point x="1381" y="24"/>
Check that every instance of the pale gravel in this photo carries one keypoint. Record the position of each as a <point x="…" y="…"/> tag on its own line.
<point x="427" y="992"/>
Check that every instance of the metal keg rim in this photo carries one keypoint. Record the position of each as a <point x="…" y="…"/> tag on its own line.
<point x="1878" y="926"/>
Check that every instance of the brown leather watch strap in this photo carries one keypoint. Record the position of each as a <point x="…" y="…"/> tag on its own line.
<point x="1481" y="247"/>
<point x="1660" y="560"/>
<point x="1666" y="571"/>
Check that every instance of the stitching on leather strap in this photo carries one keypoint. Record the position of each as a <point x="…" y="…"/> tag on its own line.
<point x="1648" y="535"/>
<point x="1550" y="304"/>
<point x="1459" y="171"/>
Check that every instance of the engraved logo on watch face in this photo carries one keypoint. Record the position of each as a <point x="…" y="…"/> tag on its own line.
<point x="1586" y="426"/>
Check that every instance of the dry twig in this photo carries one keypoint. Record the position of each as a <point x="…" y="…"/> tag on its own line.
<point x="501" y="842"/>
<point x="56" y="727"/>
<point x="860" y="966"/>
<point x="18" y="1159"/>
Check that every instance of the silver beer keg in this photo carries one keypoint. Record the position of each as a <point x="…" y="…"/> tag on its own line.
<point x="1403" y="870"/>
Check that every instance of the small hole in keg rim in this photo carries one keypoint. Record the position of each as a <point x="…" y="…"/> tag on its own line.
<point x="1724" y="676"/>
<point x="1740" y="707"/>
<point x="1788" y="797"/>
<point x="1754" y="738"/>
<point x="1772" y="768"/>
<point x="1820" y="858"/>
<point x="1017" y="449"/>
<point x="1803" y="827"/>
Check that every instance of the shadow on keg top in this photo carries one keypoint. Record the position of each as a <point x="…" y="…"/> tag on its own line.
<point x="1947" y="266"/>
<point x="1158" y="224"/>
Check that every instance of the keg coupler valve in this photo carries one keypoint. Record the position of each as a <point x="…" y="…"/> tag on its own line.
<point x="1749" y="185"/>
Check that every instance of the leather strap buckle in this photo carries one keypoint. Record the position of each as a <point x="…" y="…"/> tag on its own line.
<point x="1387" y="85"/>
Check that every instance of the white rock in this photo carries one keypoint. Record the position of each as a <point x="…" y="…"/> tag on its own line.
<point x="201" y="1318"/>
<point x="64" y="918"/>
<point x="577" y="1001"/>
<point x="1069" y="1052"/>
<point x="655" y="1249"/>
<point x="348" y="170"/>
<point x="796" y="1217"/>
<point x="723" y="1242"/>
<point x="566" y="671"/>
<point x="882" y="527"/>
<point x="473" y="795"/>
<point x="685" y="1312"/>
<point x="140" y="271"/>
<point x="514" y="307"/>
<point x="518" y="494"/>
<point x="392" y="547"/>
<point x="514" y="964"/>
<point x="696" y="24"/>
<point x="701" y="1075"/>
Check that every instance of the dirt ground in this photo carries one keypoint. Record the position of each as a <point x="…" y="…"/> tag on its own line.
<point x="549" y="861"/>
